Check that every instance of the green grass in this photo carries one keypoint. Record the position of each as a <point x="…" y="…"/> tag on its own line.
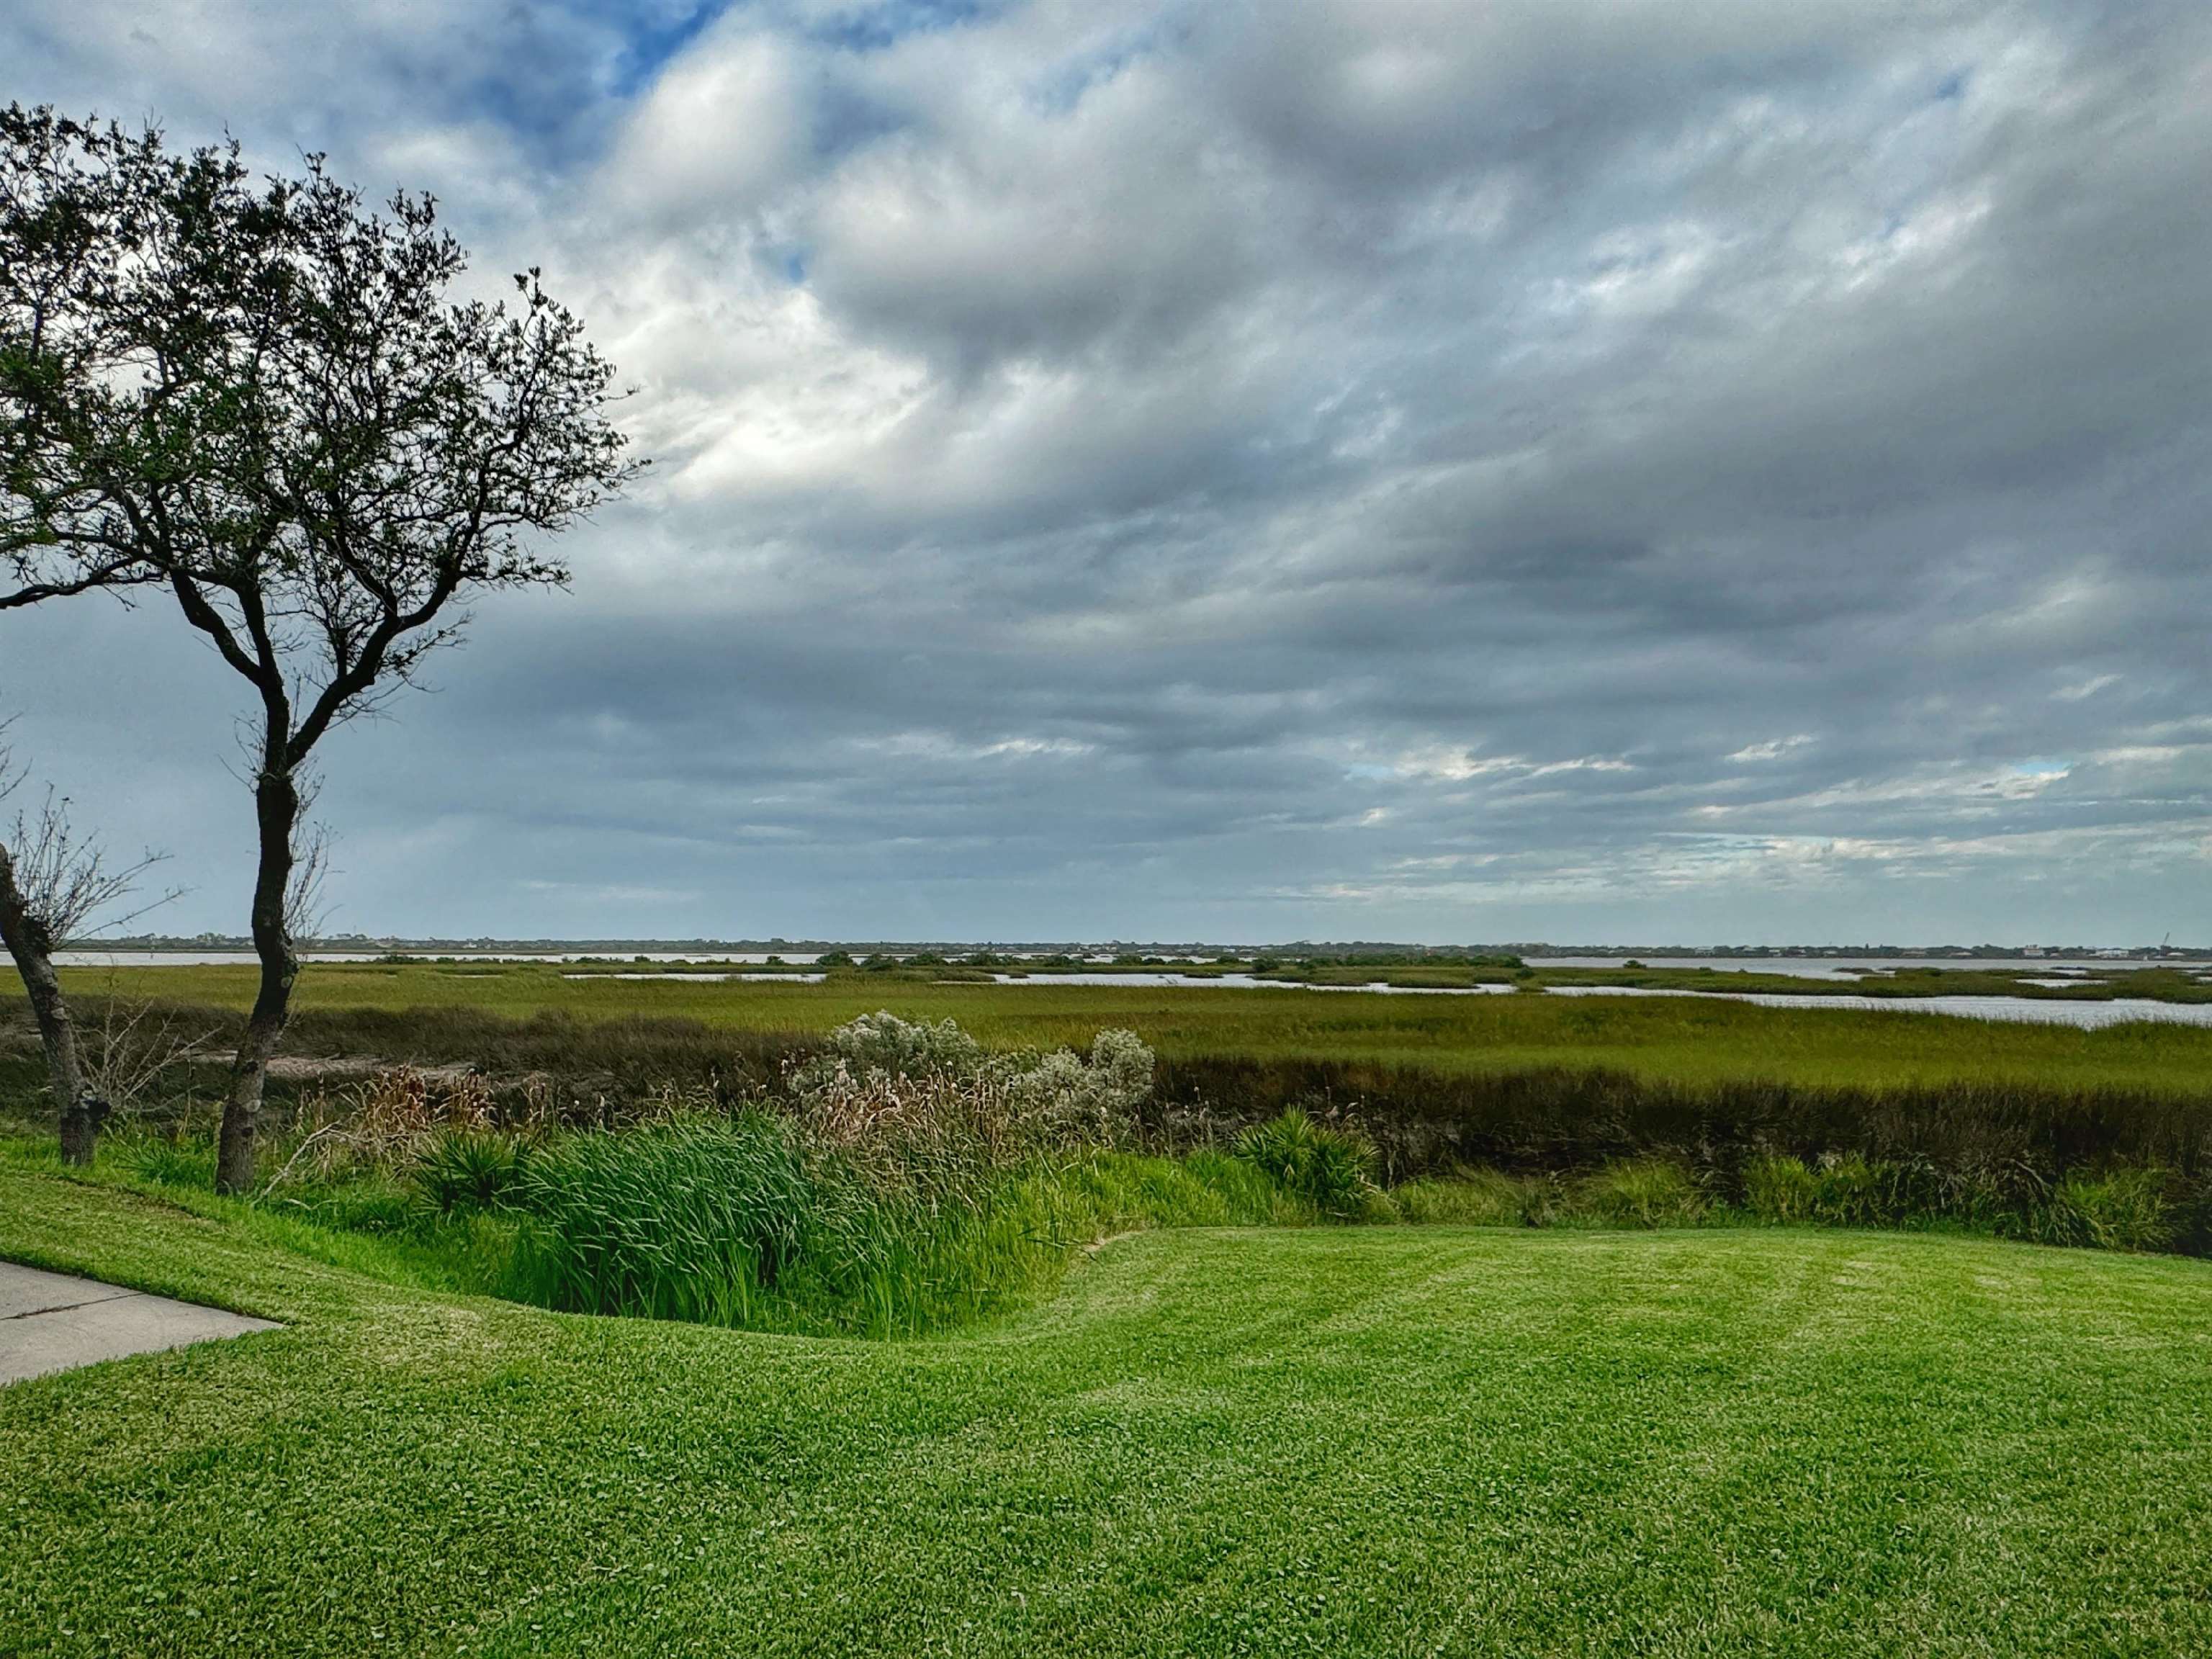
<point x="1340" y="1441"/>
<point x="1683" y="1040"/>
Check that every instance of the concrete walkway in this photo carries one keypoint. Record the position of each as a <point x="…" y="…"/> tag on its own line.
<point x="50" y="1322"/>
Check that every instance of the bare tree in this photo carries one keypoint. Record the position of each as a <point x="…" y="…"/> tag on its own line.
<point x="133" y="1044"/>
<point x="260" y="398"/>
<point x="54" y="884"/>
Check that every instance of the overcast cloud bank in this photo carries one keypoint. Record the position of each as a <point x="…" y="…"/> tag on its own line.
<point x="1715" y="471"/>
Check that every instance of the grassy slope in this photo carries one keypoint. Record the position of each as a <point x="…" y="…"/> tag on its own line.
<point x="1367" y="1441"/>
<point x="1683" y="1039"/>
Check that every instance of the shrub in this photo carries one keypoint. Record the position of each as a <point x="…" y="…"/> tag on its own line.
<point x="881" y="1082"/>
<point x="1069" y="1102"/>
<point x="907" y="1131"/>
<point x="1331" y="1169"/>
<point x="466" y="1170"/>
<point x="883" y="1044"/>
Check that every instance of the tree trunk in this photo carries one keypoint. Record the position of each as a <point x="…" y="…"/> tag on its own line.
<point x="276" y="814"/>
<point x="80" y="1111"/>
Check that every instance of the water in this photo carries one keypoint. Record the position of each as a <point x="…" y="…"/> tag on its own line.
<point x="1847" y="968"/>
<point x="1242" y="982"/>
<point x="2088" y="1016"/>
<point x="714" y="979"/>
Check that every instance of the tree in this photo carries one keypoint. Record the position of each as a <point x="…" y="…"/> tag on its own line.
<point x="52" y="884"/>
<point x="264" y="399"/>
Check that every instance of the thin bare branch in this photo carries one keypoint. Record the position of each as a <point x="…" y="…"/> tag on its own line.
<point x="137" y="1044"/>
<point x="306" y="910"/>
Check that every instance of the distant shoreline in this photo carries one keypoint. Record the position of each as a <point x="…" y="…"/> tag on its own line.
<point x="356" y="945"/>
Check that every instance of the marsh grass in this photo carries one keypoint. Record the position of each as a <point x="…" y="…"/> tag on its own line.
<point x="1642" y="1192"/>
<point x="686" y="1221"/>
<point x="2119" y="1207"/>
<point x="1526" y="1083"/>
<point x="897" y="1177"/>
<point x="1554" y="1085"/>
<point x="517" y="1018"/>
<point x="746" y="1224"/>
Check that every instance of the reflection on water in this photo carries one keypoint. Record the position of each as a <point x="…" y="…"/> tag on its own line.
<point x="714" y="979"/>
<point x="1242" y="982"/>
<point x="2089" y="1015"/>
<point x="1849" y="967"/>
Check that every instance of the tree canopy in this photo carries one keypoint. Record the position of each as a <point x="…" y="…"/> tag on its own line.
<point x="261" y="396"/>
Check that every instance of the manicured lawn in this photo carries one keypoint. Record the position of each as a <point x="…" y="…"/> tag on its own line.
<point x="1681" y="1039"/>
<point x="1387" y="1441"/>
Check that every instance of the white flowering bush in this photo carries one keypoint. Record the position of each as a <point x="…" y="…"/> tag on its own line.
<point x="1095" y="1101"/>
<point x="882" y="1079"/>
<point x="882" y="1045"/>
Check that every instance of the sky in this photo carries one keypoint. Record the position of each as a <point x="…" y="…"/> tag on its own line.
<point x="1250" y="472"/>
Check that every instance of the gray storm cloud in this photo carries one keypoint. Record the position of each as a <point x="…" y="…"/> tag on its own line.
<point x="1717" y="471"/>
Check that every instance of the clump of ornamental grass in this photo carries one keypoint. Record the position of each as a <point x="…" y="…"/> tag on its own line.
<point x="756" y="1223"/>
<point x="669" y="1221"/>
<point x="162" y="1161"/>
<point x="1782" y="1190"/>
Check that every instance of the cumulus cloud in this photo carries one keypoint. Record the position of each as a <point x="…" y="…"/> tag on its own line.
<point x="1367" y="469"/>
